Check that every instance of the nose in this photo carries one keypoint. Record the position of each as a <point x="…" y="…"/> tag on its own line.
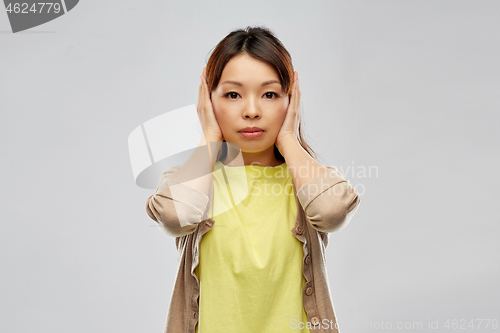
<point x="251" y="110"/>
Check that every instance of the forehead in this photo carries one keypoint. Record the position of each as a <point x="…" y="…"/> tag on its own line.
<point x="246" y="68"/>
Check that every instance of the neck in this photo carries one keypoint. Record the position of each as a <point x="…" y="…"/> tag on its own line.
<point x="235" y="157"/>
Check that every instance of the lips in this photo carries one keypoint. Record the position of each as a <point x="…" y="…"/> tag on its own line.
<point x="252" y="135"/>
<point x="251" y="130"/>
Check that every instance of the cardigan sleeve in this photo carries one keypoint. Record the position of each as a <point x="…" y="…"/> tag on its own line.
<point x="175" y="207"/>
<point x="329" y="201"/>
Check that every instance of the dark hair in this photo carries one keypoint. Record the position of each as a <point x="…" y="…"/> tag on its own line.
<point x="261" y="44"/>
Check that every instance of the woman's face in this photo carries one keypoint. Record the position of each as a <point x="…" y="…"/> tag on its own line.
<point x="249" y="94"/>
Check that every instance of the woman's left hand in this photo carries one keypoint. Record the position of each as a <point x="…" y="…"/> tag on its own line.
<point x="290" y="126"/>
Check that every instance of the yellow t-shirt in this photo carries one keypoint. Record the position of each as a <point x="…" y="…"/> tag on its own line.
<point x="250" y="267"/>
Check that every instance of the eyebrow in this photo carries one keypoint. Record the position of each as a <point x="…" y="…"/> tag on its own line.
<point x="241" y="85"/>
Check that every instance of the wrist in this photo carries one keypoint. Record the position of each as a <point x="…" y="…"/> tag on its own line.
<point x="213" y="145"/>
<point x="285" y="142"/>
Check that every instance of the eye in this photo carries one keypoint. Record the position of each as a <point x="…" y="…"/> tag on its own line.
<point x="272" y="94"/>
<point x="234" y="95"/>
<point x="231" y="94"/>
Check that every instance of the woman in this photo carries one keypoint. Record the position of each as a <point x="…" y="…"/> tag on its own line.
<point x="251" y="209"/>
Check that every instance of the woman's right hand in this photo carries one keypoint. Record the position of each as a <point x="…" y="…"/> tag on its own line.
<point x="206" y="114"/>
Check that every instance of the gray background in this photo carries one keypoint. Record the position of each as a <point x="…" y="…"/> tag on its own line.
<point x="409" y="88"/>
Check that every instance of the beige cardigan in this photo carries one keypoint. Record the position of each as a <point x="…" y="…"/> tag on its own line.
<point x="324" y="205"/>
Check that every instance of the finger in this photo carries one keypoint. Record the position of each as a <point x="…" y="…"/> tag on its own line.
<point x="206" y="94"/>
<point x="200" y="88"/>
<point x="297" y="91"/>
<point x="205" y="80"/>
<point x="295" y="82"/>
<point x="199" y="94"/>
